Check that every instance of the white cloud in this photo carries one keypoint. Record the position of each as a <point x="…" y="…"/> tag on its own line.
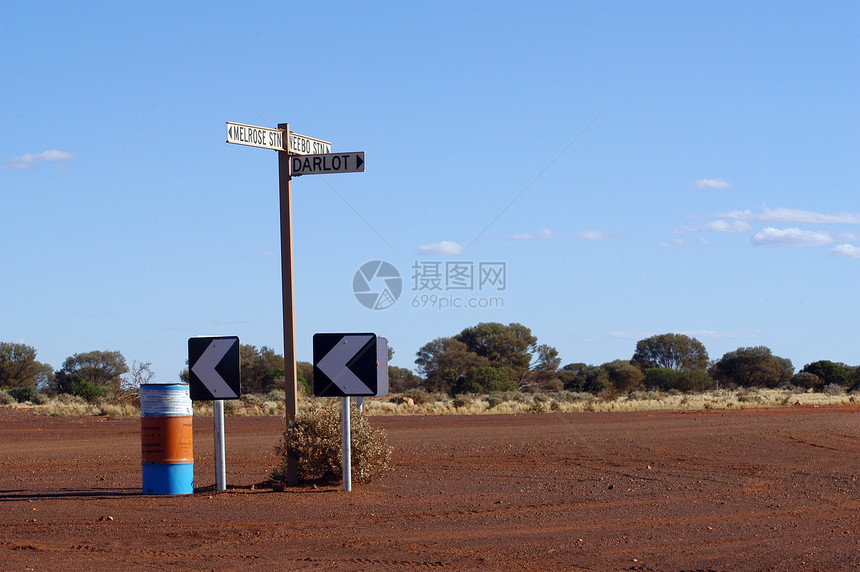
<point x="630" y="335"/>
<point x="712" y="184"/>
<point x="728" y="227"/>
<point x="31" y="160"/>
<point x="793" y="216"/>
<point x="718" y="335"/>
<point x="545" y="234"/>
<point x="592" y="235"/>
<point x="847" y="250"/>
<point x="444" y="248"/>
<point x="791" y="237"/>
<point x="675" y="243"/>
<point x="548" y="234"/>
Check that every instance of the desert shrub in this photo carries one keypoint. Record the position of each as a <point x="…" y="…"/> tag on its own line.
<point x="806" y="380"/>
<point x="235" y="407"/>
<point x="276" y="395"/>
<point x="830" y="372"/>
<point x="418" y="395"/>
<point x="86" y="390"/>
<point x="834" y="389"/>
<point x="573" y="396"/>
<point x="484" y="379"/>
<point x="315" y="440"/>
<point x="5" y="398"/>
<point x="252" y="399"/>
<point x="22" y="394"/>
<point x="644" y="396"/>
<point x="494" y="400"/>
<point x="750" y="395"/>
<point x="666" y="379"/>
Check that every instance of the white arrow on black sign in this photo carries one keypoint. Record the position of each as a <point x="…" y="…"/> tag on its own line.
<point x="204" y="371"/>
<point x="327" y="164"/>
<point x="344" y="365"/>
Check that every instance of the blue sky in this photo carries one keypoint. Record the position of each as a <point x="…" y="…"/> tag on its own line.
<point x="631" y="168"/>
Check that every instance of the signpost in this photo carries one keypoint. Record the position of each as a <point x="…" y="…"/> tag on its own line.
<point x="213" y="373"/>
<point x="347" y="365"/>
<point x="327" y="163"/>
<point x="294" y="145"/>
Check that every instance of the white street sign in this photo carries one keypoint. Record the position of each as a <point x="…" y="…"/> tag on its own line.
<point x="255" y="136"/>
<point x="327" y="164"/>
<point x="304" y="145"/>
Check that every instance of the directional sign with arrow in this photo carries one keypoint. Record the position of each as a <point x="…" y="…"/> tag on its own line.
<point x="345" y="365"/>
<point x="327" y="164"/>
<point x="213" y="368"/>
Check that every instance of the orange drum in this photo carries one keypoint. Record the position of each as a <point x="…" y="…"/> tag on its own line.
<point x="166" y="440"/>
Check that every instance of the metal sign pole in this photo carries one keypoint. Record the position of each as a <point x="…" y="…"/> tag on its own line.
<point x="347" y="448"/>
<point x="290" y="381"/>
<point x="220" y="464"/>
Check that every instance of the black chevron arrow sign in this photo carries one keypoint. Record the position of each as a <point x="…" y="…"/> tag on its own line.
<point x="213" y="368"/>
<point x="345" y="365"/>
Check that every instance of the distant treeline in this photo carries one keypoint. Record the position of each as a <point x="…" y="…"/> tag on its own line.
<point x="487" y="358"/>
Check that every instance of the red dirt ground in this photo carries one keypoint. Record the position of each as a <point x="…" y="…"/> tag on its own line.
<point x="711" y="490"/>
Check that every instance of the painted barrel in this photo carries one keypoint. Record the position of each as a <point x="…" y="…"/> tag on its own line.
<point x="166" y="438"/>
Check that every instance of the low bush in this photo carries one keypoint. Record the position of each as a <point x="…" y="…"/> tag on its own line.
<point x="419" y="396"/>
<point x="87" y="390"/>
<point x="315" y="440"/>
<point x="834" y="389"/>
<point x="24" y="394"/>
<point x="276" y="395"/>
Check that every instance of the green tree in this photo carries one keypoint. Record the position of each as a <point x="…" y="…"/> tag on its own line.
<point x="807" y="380"/>
<point x="830" y="372"/>
<point x="443" y="361"/>
<point x="304" y="375"/>
<point x="260" y="369"/>
<point x="19" y="368"/>
<point x="667" y="379"/>
<point x="753" y="367"/>
<point x="580" y="377"/>
<point x="674" y="351"/>
<point x="508" y="348"/>
<point x="103" y="369"/>
<point x="623" y="375"/>
<point x="401" y="379"/>
<point x="663" y="378"/>
<point x="543" y="372"/>
<point x="484" y="379"/>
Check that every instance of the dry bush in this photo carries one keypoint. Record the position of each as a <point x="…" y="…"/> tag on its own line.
<point x="834" y="389"/>
<point x="315" y="440"/>
<point x="419" y="396"/>
<point x="6" y="399"/>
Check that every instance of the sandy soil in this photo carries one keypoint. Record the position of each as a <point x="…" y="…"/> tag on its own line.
<point x="714" y="490"/>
